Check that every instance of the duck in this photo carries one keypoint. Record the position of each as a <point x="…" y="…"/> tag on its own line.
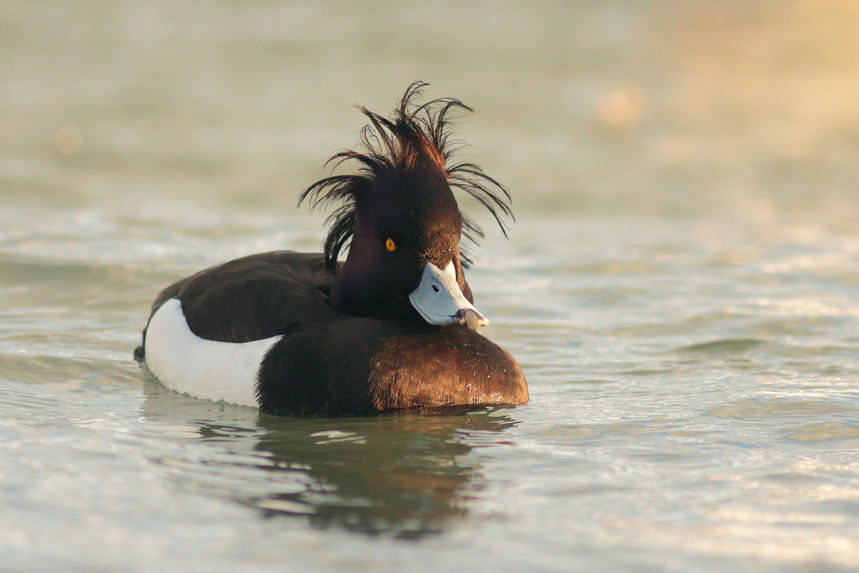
<point x="392" y="327"/>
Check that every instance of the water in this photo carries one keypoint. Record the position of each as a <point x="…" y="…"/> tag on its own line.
<point x="680" y="286"/>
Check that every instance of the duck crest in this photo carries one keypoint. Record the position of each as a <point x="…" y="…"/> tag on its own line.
<point x="406" y="161"/>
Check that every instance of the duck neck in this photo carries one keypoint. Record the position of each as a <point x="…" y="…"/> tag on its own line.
<point x="362" y="287"/>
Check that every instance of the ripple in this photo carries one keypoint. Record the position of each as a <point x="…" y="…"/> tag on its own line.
<point x="727" y="346"/>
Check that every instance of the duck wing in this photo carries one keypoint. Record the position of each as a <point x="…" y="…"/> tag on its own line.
<point x="254" y="297"/>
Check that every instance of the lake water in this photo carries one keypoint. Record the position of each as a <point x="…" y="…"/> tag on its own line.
<point x="681" y="286"/>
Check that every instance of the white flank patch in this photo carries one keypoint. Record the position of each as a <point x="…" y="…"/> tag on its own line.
<point x="184" y="362"/>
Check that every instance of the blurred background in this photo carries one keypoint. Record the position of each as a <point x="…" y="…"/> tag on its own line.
<point x="695" y="108"/>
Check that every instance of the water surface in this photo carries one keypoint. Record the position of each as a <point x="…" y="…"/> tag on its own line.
<point x="680" y="286"/>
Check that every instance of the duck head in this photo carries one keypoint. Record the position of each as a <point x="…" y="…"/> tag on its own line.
<point x="399" y="215"/>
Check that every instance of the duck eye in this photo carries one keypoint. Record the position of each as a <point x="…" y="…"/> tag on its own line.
<point x="389" y="244"/>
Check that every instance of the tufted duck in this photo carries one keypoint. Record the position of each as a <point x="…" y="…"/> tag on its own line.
<point x="392" y="327"/>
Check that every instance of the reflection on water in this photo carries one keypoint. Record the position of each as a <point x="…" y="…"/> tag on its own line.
<point x="405" y="474"/>
<point x="402" y="473"/>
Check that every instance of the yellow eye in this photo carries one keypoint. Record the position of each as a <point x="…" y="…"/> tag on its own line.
<point x="389" y="244"/>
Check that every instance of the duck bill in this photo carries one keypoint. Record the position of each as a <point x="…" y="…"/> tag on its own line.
<point x="439" y="300"/>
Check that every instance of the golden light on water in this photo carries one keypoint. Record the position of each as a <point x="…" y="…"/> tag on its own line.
<point x="69" y="139"/>
<point x="621" y="107"/>
<point x="780" y="83"/>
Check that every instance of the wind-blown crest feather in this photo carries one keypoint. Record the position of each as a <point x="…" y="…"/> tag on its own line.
<point x="415" y="132"/>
